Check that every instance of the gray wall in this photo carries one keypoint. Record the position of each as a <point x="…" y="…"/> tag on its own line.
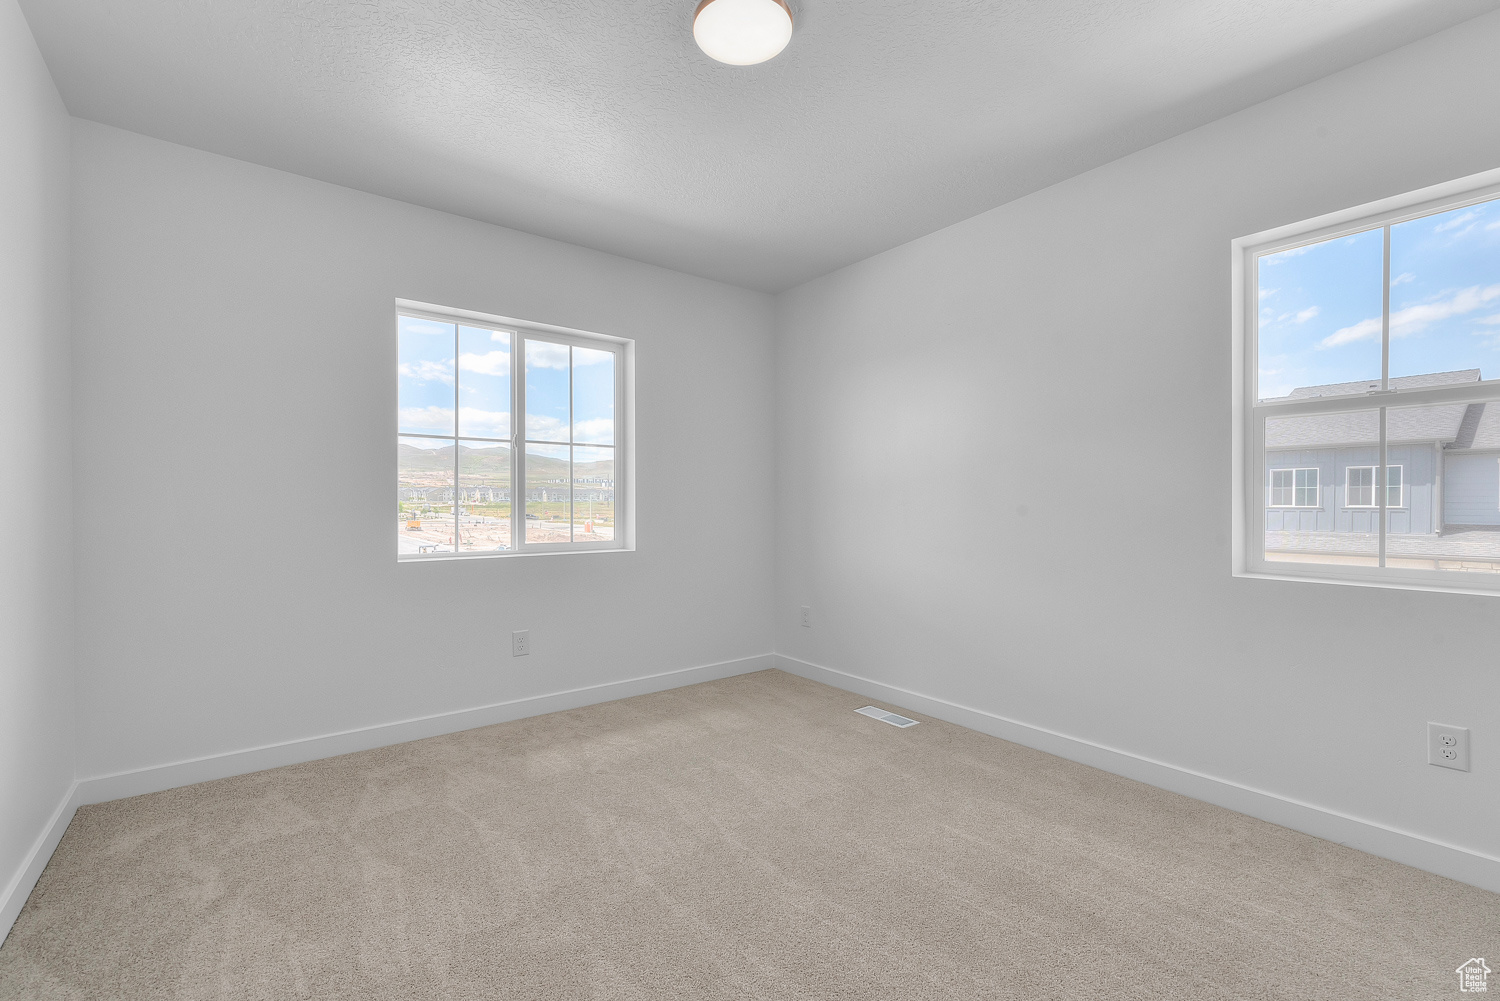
<point x="1095" y="598"/>
<point x="36" y="600"/>
<point x="1472" y="488"/>
<point x="235" y="328"/>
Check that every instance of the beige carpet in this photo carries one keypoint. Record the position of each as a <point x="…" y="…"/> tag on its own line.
<point x="746" y="838"/>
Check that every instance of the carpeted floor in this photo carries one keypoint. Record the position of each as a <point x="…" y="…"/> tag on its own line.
<point x="746" y="838"/>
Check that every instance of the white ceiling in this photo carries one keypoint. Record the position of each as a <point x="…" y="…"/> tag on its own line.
<point x="600" y="123"/>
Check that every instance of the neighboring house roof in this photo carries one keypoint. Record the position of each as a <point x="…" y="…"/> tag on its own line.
<point x="1480" y="428"/>
<point x="1362" y="427"/>
<point x="1399" y="382"/>
<point x="1457" y="425"/>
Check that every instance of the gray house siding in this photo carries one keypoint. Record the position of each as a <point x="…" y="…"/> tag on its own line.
<point x="1414" y="517"/>
<point x="1472" y="485"/>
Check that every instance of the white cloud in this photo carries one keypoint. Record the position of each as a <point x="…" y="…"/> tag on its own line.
<point x="1287" y="254"/>
<point x="430" y="328"/>
<point x="427" y="371"/>
<point x="599" y="429"/>
<point x="1307" y="314"/>
<point x="1494" y="225"/>
<point x="1270" y="390"/>
<point x="545" y="354"/>
<point x="484" y="423"/>
<point x="1403" y="278"/>
<point x="1456" y="222"/>
<point x="590" y="356"/>
<point x="1266" y="293"/>
<point x="1491" y="321"/>
<point x="433" y="420"/>
<point x="542" y="426"/>
<point x="1414" y="319"/>
<point x="473" y="421"/>
<point x="1348" y="335"/>
<point x="489" y="363"/>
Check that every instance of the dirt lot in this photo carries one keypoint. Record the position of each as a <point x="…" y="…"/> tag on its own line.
<point x="488" y="534"/>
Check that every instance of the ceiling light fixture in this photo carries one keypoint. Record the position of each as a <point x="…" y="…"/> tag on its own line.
<point x="742" y="32"/>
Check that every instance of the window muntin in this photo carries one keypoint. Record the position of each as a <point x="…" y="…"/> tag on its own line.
<point x="1281" y="487"/>
<point x="465" y="390"/>
<point x="1359" y="487"/>
<point x="1291" y="487"/>
<point x="484" y="375"/>
<point x="570" y="421"/>
<point x="1416" y="415"/>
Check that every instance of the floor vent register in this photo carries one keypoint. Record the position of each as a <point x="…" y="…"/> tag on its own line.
<point x="886" y="717"/>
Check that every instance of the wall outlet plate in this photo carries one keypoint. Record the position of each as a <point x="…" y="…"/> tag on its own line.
<point x="806" y="617"/>
<point x="520" y="643"/>
<point x="1448" y="746"/>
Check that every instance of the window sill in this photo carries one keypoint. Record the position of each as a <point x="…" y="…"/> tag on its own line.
<point x="507" y="555"/>
<point x="1394" y="583"/>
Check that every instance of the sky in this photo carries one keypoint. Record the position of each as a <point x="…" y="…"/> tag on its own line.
<point x="1320" y="305"/>
<point x="427" y="373"/>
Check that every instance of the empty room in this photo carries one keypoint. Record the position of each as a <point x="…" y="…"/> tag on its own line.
<point x="750" y="499"/>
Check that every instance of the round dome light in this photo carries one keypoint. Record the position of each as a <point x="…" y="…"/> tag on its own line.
<point x="742" y="32"/>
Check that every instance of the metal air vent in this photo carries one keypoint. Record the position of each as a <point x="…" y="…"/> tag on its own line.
<point x="885" y="717"/>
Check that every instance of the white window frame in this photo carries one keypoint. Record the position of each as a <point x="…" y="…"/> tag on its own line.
<point x="1374" y="489"/>
<point x="1249" y="413"/>
<point x="521" y="331"/>
<point x="1294" y="506"/>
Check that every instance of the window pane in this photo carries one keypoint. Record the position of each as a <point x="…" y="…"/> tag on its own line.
<point x="593" y="494"/>
<point x="548" y="512"/>
<point x="1394" y="495"/>
<point x="1319" y="320"/>
<point x="1445" y="294"/>
<point x="424" y="376"/>
<point x="484" y="496"/>
<point x="483" y="383"/>
<point x="593" y="396"/>
<point x="1449" y="518"/>
<point x="1306" y="494"/>
<point x="424" y="496"/>
<point x="1314" y="452"/>
<point x="547" y="404"/>
<point x="1360" y="486"/>
<point x="1281" y="488"/>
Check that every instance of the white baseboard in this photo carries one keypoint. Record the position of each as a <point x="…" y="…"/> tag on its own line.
<point x="1462" y="864"/>
<point x="14" y="896"/>
<point x="1410" y="849"/>
<point x="101" y="788"/>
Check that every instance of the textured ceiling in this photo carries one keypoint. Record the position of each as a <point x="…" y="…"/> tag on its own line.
<point x="600" y="123"/>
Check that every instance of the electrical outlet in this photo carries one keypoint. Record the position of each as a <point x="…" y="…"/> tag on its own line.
<point x="806" y="617"/>
<point x="520" y="643"/>
<point x="1448" y="746"/>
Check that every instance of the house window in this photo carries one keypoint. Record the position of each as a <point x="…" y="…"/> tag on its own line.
<point x="1294" y="487"/>
<point x="1359" y="486"/>
<point x="510" y="437"/>
<point x="1360" y="341"/>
